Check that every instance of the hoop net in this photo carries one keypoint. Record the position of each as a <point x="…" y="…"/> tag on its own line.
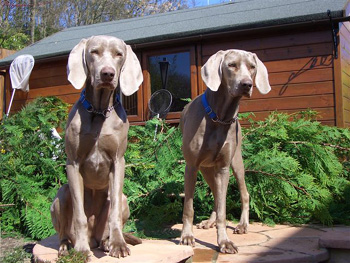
<point x="160" y="103"/>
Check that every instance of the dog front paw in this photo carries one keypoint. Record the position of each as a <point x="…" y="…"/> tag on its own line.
<point x="241" y="229"/>
<point x="228" y="247"/>
<point x="187" y="240"/>
<point x="64" y="248"/>
<point x="119" y="251"/>
<point x="82" y="247"/>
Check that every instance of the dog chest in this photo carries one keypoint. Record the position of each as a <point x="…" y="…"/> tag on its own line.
<point x="212" y="149"/>
<point x="100" y="155"/>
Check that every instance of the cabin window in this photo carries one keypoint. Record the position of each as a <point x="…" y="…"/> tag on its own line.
<point x="176" y="77"/>
<point x="181" y="79"/>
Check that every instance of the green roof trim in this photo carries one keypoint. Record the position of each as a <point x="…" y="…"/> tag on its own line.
<point x="237" y="15"/>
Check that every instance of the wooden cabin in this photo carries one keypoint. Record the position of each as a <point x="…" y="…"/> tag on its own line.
<point x="305" y="47"/>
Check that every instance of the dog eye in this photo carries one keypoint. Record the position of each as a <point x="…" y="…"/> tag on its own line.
<point x="94" y="51"/>
<point x="232" y="65"/>
<point x="252" y="66"/>
<point x="119" y="54"/>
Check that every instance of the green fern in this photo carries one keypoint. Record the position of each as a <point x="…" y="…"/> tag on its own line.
<point x="32" y="163"/>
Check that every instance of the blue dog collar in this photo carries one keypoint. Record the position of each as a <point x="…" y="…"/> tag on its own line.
<point x="212" y="115"/>
<point x="88" y="106"/>
<point x="207" y="107"/>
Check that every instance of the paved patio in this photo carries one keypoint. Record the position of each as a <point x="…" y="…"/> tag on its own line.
<point x="281" y="243"/>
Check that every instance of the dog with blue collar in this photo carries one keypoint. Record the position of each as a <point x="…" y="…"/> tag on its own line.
<point x="91" y="209"/>
<point x="212" y="138"/>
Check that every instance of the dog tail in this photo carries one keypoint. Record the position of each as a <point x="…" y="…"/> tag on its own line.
<point x="132" y="240"/>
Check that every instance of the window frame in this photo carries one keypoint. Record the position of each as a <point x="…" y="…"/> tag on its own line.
<point x="146" y="89"/>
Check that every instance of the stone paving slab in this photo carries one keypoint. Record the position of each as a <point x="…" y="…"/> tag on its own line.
<point x="336" y="237"/>
<point x="278" y="244"/>
<point x="258" y="254"/>
<point x="150" y="251"/>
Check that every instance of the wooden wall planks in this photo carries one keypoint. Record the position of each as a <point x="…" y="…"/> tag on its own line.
<point x="300" y="67"/>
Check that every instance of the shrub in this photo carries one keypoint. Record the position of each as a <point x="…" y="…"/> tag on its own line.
<point x="17" y="255"/>
<point x="154" y="174"/>
<point x="297" y="171"/>
<point x="32" y="166"/>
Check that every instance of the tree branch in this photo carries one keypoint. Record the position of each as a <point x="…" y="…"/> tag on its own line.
<point x="323" y="144"/>
<point x="279" y="177"/>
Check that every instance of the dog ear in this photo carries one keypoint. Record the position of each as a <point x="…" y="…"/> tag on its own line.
<point x="211" y="71"/>
<point x="131" y="73"/>
<point x="76" y="68"/>
<point x="261" y="78"/>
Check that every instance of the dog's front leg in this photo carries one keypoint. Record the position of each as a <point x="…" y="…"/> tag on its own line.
<point x="117" y="244"/>
<point x="76" y="187"/>
<point x="221" y="183"/>
<point x="187" y="237"/>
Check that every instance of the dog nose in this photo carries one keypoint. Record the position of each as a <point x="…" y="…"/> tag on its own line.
<point x="107" y="74"/>
<point x="247" y="84"/>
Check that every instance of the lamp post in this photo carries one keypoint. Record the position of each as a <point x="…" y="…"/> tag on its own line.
<point x="164" y="66"/>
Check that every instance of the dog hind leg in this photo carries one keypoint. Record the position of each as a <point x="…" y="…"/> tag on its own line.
<point x="208" y="176"/>
<point x="60" y="212"/>
<point x="238" y="170"/>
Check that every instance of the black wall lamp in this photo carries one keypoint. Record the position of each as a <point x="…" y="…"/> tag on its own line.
<point x="164" y="66"/>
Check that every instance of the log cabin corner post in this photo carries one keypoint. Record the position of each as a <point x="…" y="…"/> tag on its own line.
<point x="342" y="74"/>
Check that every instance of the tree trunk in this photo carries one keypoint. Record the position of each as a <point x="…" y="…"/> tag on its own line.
<point x="32" y="21"/>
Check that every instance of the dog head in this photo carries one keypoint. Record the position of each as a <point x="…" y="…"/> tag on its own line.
<point x="236" y="70"/>
<point x="105" y="62"/>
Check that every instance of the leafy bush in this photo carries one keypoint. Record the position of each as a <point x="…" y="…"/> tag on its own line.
<point x="154" y="174"/>
<point x="154" y="181"/>
<point x="17" y="255"/>
<point x="297" y="171"/>
<point x="32" y="166"/>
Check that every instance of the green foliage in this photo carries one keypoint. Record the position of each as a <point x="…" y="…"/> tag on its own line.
<point x="17" y="255"/>
<point x="154" y="180"/>
<point x="154" y="174"/>
<point x="16" y="41"/>
<point x="73" y="257"/>
<point x="297" y="171"/>
<point x="33" y="166"/>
